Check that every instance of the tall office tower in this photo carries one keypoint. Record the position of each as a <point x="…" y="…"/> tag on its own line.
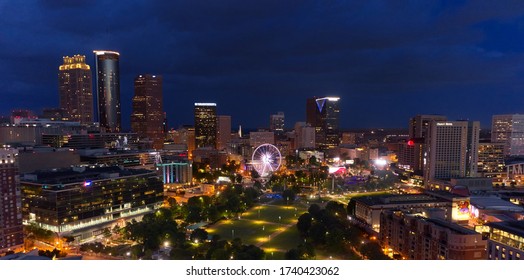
<point x="509" y="129"/>
<point x="147" y="118"/>
<point x="11" y="231"/>
<point x="75" y="88"/>
<point x="276" y="123"/>
<point x="323" y="115"/>
<point x="304" y="136"/>
<point x="418" y="125"/>
<point x="205" y="125"/>
<point x="223" y="131"/>
<point x="452" y="150"/>
<point x="108" y="90"/>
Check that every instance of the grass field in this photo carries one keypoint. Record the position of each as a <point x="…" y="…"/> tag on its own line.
<point x="269" y="226"/>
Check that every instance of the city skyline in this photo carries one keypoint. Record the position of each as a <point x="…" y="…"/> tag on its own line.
<point x="441" y="58"/>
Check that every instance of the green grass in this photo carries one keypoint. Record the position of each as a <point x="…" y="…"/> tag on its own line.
<point x="287" y="240"/>
<point x="272" y="227"/>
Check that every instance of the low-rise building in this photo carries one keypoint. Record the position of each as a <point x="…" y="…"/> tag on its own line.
<point x="368" y="208"/>
<point x="82" y="201"/>
<point x="414" y="237"/>
<point x="506" y="240"/>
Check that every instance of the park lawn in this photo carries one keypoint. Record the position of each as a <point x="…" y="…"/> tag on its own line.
<point x="256" y="225"/>
<point x="287" y="240"/>
<point x="275" y="213"/>
<point x="251" y="232"/>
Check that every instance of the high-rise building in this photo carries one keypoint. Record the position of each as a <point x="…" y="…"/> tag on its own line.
<point x="419" y="125"/>
<point x="147" y="118"/>
<point x="11" y="231"/>
<point x="276" y="123"/>
<point x="223" y="131"/>
<point x="205" y="125"/>
<point x="323" y="115"/>
<point x="75" y="88"/>
<point x="452" y="150"/>
<point x="509" y="129"/>
<point x="108" y="90"/>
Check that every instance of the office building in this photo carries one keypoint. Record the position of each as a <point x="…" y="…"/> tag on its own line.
<point x="367" y="209"/>
<point x="257" y="138"/>
<point x="509" y="129"/>
<point x="506" y="239"/>
<point x="304" y="136"/>
<point x="491" y="161"/>
<point x="75" y="88"/>
<point x="82" y="201"/>
<point x="323" y="115"/>
<point x="205" y="125"/>
<point x="276" y="123"/>
<point x="108" y="90"/>
<point x="419" y="125"/>
<point x="452" y="150"/>
<point x="11" y="231"/>
<point x="411" y="155"/>
<point x="147" y="119"/>
<point x="223" y="132"/>
<point x="414" y="237"/>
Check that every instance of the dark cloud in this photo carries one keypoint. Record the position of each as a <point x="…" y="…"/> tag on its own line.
<point x="254" y="58"/>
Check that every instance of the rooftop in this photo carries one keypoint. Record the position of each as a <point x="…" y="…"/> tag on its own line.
<point x="515" y="227"/>
<point x="397" y="199"/>
<point x="79" y="174"/>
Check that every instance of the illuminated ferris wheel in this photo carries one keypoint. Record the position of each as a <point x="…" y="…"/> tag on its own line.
<point x="266" y="159"/>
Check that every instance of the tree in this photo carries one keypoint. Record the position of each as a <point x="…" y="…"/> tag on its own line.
<point x="313" y="160"/>
<point x="373" y="251"/>
<point x="314" y="210"/>
<point x="199" y="235"/>
<point x="304" y="223"/>
<point x="288" y="195"/>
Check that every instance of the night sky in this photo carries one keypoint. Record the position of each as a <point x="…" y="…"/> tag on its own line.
<point x="387" y="60"/>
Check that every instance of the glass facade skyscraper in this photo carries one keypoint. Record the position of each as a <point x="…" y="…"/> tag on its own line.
<point x="108" y="90"/>
<point x="205" y="125"/>
<point x="323" y="115"/>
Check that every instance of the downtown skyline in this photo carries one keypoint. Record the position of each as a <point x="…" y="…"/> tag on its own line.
<point x="387" y="62"/>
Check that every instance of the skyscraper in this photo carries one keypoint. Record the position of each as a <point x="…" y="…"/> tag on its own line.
<point x="223" y="131"/>
<point x="205" y="125"/>
<point x="509" y="129"/>
<point x="108" y="90"/>
<point x="75" y="89"/>
<point x="11" y="232"/>
<point x="276" y="123"/>
<point x="419" y="125"/>
<point x="452" y="150"/>
<point x="323" y="115"/>
<point x="147" y="119"/>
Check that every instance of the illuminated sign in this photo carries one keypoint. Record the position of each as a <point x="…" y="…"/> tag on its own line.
<point x="205" y="104"/>
<point x="87" y="183"/>
<point x="445" y="124"/>
<point x="460" y="210"/>
<point x="411" y="143"/>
